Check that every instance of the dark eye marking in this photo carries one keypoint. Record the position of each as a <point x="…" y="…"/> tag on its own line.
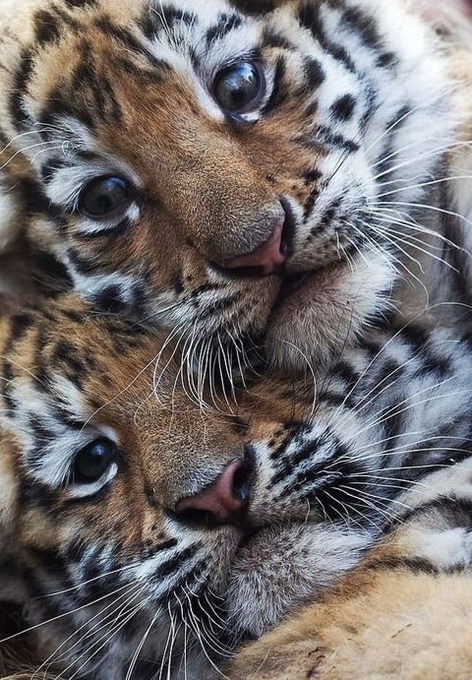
<point x="344" y="107"/>
<point x="314" y="74"/>
<point x="309" y="17"/>
<point x="254" y="7"/>
<point x="279" y="91"/>
<point x="225" y="25"/>
<point x="239" y="88"/>
<point x="93" y="461"/>
<point x="106" y="197"/>
<point x="168" y="18"/>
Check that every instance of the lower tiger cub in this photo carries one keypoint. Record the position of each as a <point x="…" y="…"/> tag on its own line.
<point x="141" y="534"/>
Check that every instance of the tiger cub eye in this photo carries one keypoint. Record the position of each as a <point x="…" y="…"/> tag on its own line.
<point x="105" y="197"/>
<point x="93" y="461"/>
<point x="239" y="88"/>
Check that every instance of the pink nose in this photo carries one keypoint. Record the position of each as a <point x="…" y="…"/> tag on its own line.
<point x="267" y="258"/>
<point x="224" y="501"/>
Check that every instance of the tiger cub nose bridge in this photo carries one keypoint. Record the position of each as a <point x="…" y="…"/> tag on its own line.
<point x="270" y="255"/>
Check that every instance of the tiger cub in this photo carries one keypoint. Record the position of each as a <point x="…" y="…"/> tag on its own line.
<point x="141" y="536"/>
<point x="239" y="172"/>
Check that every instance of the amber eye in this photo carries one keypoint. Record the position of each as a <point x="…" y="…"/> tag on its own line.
<point x="239" y="88"/>
<point x="94" y="461"/>
<point x="105" y="197"/>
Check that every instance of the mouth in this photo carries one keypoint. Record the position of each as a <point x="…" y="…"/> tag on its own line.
<point x="293" y="284"/>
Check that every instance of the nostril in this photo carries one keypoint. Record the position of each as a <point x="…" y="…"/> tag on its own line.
<point x="243" y="478"/>
<point x="288" y="231"/>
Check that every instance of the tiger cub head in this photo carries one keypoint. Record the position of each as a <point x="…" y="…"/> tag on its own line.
<point x="130" y="517"/>
<point x="224" y="165"/>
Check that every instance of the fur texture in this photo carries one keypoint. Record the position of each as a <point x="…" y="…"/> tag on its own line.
<point x="353" y="145"/>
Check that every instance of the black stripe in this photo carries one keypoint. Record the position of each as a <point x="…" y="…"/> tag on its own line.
<point x="417" y="565"/>
<point x="20" y="87"/>
<point x="344" y="107"/>
<point x="225" y="25"/>
<point x="47" y="28"/>
<point x="113" y="231"/>
<point x="254" y="7"/>
<point x="309" y="17"/>
<point x="279" y="91"/>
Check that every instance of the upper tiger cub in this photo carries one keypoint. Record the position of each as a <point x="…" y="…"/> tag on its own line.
<point x="230" y="169"/>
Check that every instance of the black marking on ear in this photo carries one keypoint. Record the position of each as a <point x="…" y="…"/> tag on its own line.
<point x="279" y="90"/>
<point x="47" y="28"/>
<point x="20" y="88"/>
<point x="254" y="7"/>
<point x="225" y="25"/>
<point x="344" y="107"/>
<point x="309" y="17"/>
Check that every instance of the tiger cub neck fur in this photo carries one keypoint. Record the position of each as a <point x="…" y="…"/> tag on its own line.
<point x="230" y="170"/>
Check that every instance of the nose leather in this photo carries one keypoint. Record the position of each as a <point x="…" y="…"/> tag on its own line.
<point x="224" y="499"/>
<point x="268" y="257"/>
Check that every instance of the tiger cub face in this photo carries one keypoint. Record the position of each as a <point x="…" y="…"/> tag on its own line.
<point x="218" y="165"/>
<point x="127" y="512"/>
<point x="140" y="530"/>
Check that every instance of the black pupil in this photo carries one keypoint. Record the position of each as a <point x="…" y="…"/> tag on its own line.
<point x="237" y="87"/>
<point x="94" y="460"/>
<point x="104" y="196"/>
